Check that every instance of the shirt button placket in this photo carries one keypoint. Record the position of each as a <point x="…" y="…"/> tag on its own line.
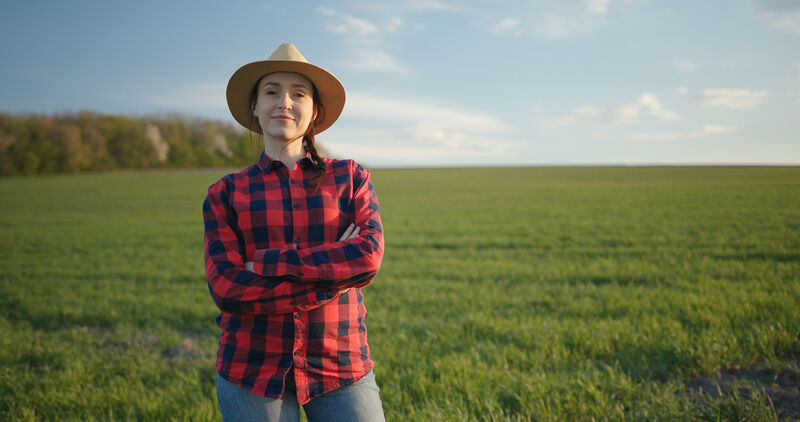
<point x="299" y="335"/>
<point x="298" y="195"/>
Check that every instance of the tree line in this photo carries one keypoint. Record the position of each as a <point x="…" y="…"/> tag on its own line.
<point x="89" y="141"/>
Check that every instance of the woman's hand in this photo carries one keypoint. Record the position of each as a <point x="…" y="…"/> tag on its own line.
<point x="350" y="233"/>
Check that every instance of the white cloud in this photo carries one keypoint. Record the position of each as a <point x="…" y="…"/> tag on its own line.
<point x="348" y="24"/>
<point x="365" y="60"/>
<point x="575" y="115"/>
<point x="705" y="130"/>
<point x="599" y="7"/>
<point x="416" y="131"/>
<point x="683" y="90"/>
<point x="736" y="99"/>
<point x="568" y="19"/>
<point x="418" y="146"/>
<point x="507" y="25"/>
<point x="393" y="25"/>
<point x="352" y="25"/>
<point x="788" y="23"/>
<point x="712" y="130"/>
<point x="558" y="21"/>
<point x="401" y="148"/>
<point x="631" y="112"/>
<point x="426" y="5"/>
<point x="364" y="42"/>
<point x="780" y="14"/>
<point x="657" y="136"/>
<point x="368" y="106"/>
<point x="326" y="11"/>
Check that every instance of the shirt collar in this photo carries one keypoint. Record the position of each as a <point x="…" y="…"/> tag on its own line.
<point x="267" y="164"/>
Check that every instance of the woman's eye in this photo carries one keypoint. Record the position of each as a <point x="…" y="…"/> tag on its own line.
<point x="299" y="94"/>
<point x="271" y="92"/>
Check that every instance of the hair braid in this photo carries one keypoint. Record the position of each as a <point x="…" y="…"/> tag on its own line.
<point x="308" y="144"/>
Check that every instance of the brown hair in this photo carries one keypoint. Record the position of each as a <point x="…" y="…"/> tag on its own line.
<point x="308" y="142"/>
<point x="308" y="137"/>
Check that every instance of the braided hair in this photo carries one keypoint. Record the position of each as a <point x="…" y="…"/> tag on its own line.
<point x="308" y="142"/>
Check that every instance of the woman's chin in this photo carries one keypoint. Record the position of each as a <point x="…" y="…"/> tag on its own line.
<point x="283" y="137"/>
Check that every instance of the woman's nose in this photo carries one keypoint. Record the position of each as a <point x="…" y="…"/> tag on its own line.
<point x="284" y="102"/>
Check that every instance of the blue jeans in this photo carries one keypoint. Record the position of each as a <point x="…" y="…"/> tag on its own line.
<point x="356" y="402"/>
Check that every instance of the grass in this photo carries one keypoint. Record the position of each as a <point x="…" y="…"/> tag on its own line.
<point x="505" y="294"/>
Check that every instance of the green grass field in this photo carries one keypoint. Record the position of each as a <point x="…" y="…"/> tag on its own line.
<point x="505" y="294"/>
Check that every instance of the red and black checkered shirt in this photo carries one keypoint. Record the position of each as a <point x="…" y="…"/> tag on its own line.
<point x="289" y="312"/>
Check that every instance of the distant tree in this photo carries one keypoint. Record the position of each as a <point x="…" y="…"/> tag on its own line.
<point x="90" y="141"/>
<point x="74" y="155"/>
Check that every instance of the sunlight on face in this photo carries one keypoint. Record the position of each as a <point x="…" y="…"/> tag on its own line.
<point x="284" y="105"/>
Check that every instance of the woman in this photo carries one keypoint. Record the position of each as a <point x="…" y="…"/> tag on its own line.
<point x="289" y="243"/>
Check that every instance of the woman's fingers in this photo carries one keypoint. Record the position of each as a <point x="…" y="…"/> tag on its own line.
<point x="346" y="235"/>
<point x="351" y="232"/>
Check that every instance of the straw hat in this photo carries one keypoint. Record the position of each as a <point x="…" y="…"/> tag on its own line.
<point x="286" y="58"/>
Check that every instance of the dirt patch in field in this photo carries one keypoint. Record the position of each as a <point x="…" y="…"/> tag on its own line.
<point x="187" y="350"/>
<point x="782" y="386"/>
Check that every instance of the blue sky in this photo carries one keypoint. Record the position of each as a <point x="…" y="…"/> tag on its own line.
<point x="444" y="82"/>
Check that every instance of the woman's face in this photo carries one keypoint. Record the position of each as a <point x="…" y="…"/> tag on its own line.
<point x="284" y="105"/>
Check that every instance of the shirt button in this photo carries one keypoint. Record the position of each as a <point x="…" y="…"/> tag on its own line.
<point x="297" y="353"/>
<point x="291" y="181"/>
<point x="296" y="316"/>
<point x="296" y="206"/>
<point x="299" y="274"/>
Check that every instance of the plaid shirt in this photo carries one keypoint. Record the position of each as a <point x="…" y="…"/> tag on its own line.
<point x="289" y="311"/>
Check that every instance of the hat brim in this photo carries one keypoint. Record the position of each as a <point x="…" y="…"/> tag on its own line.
<point x="330" y="90"/>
